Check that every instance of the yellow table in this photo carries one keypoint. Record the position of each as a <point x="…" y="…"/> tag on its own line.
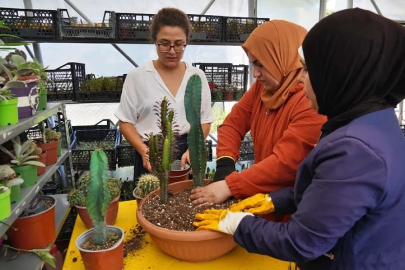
<point x="151" y="257"/>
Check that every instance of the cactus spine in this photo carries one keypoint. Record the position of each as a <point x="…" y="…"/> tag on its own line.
<point x="99" y="196"/>
<point x="162" y="146"/>
<point x="146" y="183"/>
<point x="196" y="142"/>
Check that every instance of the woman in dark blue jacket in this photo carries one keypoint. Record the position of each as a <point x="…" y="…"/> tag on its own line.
<point x="348" y="204"/>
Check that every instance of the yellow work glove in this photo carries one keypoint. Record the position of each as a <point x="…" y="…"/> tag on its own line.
<point x="220" y="220"/>
<point x="258" y="204"/>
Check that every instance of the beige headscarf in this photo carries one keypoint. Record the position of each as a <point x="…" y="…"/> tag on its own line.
<point x="275" y="45"/>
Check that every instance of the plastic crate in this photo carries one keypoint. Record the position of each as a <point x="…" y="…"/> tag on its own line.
<point x="65" y="81"/>
<point x="227" y="82"/>
<point x="238" y="29"/>
<point x="206" y="28"/>
<point x="81" y="158"/>
<point x="69" y="29"/>
<point x="29" y="23"/>
<point x="106" y="89"/>
<point x="133" y="26"/>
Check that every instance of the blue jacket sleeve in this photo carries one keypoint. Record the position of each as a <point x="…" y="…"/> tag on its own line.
<point x="283" y="200"/>
<point x="349" y="180"/>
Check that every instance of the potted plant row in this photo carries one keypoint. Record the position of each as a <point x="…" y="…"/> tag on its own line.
<point x="192" y="246"/>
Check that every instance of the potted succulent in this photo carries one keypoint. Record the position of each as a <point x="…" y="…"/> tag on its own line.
<point x="102" y="247"/>
<point x="41" y="156"/>
<point x="192" y="246"/>
<point x="23" y="162"/>
<point x="146" y="183"/>
<point x="27" y="95"/>
<point x="49" y="143"/>
<point x="5" y="205"/>
<point x="35" y="227"/>
<point x="10" y="179"/>
<point x="78" y="198"/>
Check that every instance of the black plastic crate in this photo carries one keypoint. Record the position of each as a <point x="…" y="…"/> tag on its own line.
<point x="133" y="26"/>
<point x="238" y="29"/>
<point x="227" y="82"/>
<point x="81" y="157"/>
<point x="29" y="23"/>
<point x="99" y="97"/>
<point x="99" y="125"/>
<point x="102" y="89"/>
<point x="246" y="151"/>
<point x="70" y="29"/>
<point x="125" y="155"/>
<point x="65" y="81"/>
<point x="206" y="28"/>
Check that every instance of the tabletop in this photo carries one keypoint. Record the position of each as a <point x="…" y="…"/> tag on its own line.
<point x="149" y="256"/>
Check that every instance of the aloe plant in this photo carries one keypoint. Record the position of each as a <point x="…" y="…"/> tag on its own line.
<point x="196" y="141"/>
<point x="99" y="196"/>
<point x="23" y="154"/>
<point x="162" y="146"/>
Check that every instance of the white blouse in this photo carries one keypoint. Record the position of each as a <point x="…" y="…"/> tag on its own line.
<point x="144" y="87"/>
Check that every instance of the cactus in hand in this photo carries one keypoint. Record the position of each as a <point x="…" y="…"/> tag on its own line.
<point x="99" y="196"/>
<point x="146" y="183"/>
<point x="162" y="146"/>
<point x="196" y="142"/>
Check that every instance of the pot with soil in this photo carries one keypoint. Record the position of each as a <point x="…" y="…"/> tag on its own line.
<point x="166" y="231"/>
<point x="177" y="174"/>
<point x="101" y="248"/>
<point x="49" y="143"/>
<point x="36" y="225"/>
<point x="78" y="196"/>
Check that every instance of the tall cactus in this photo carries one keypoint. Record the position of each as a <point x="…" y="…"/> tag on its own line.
<point x="162" y="146"/>
<point x="99" y="196"/>
<point x="196" y="142"/>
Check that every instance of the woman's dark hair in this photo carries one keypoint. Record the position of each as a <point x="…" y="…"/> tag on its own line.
<point x="170" y="17"/>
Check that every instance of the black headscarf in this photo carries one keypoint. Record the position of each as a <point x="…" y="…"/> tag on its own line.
<point x="356" y="64"/>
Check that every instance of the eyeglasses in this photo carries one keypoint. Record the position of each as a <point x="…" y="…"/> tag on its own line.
<point x="166" y="47"/>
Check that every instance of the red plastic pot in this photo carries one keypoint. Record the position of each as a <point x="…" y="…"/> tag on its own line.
<point x="42" y="158"/>
<point x="178" y="175"/>
<point x="112" y="212"/>
<point x="50" y="148"/>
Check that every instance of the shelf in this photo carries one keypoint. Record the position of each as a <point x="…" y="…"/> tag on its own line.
<point x="30" y="261"/>
<point x="9" y="132"/>
<point x="28" y="193"/>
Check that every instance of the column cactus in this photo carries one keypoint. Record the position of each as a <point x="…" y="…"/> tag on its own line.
<point x="162" y="146"/>
<point x="99" y="196"/>
<point x="196" y="141"/>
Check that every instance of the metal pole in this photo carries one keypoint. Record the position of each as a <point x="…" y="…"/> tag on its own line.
<point x="92" y="24"/>
<point x="252" y="12"/>
<point x="322" y="9"/>
<point x="349" y="3"/>
<point x="376" y="7"/>
<point x="37" y="47"/>
<point x="207" y="7"/>
<point x="29" y="52"/>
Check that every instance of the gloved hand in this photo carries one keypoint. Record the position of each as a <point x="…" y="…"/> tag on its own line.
<point x="220" y="220"/>
<point x="258" y="204"/>
<point x="225" y="166"/>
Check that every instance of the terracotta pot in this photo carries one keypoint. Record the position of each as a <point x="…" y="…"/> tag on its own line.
<point x="176" y="174"/>
<point x="36" y="231"/>
<point x="42" y="158"/>
<point x="51" y="148"/>
<point x="198" y="246"/>
<point x="108" y="259"/>
<point x="112" y="212"/>
<point x="228" y="95"/>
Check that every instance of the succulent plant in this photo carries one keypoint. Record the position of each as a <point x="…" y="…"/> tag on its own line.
<point x="9" y="177"/>
<point x="23" y="154"/>
<point x="99" y="197"/>
<point x="3" y="189"/>
<point x="36" y="150"/>
<point x="196" y="141"/>
<point x="52" y="134"/>
<point x="162" y="147"/>
<point x="78" y="195"/>
<point x="146" y="183"/>
<point x="6" y="95"/>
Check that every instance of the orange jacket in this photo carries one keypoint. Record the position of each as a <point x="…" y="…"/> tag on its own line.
<point x="282" y="138"/>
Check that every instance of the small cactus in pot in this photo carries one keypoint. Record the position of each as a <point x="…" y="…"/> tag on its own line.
<point x="146" y="184"/>
<point x="11" y="180"/>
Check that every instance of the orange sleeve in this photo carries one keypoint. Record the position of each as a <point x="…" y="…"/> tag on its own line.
<point x="236" y="125"/>
<point x="279" y="169"/>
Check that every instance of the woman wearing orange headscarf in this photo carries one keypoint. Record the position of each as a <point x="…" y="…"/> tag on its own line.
<point x="276" y="111"/>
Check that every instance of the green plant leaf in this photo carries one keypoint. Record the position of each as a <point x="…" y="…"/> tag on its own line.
<point x="35" y="163"/>
<point x="17" y="59"/>
<point x="5" y="69"/>
<point x="15" y="84"/>
<point x="7" y="152"/>
<point x="46" y="256"/>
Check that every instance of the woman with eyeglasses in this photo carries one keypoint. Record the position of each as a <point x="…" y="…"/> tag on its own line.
<point x="166" y="76"/>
